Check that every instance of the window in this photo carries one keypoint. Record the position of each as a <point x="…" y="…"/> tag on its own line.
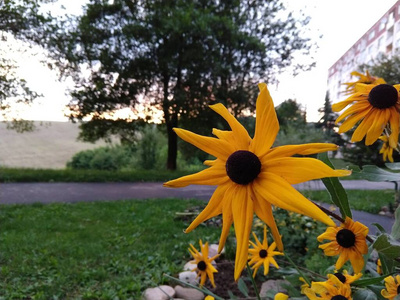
<point x="382" y="24"/>
<point x="371" y="35"/>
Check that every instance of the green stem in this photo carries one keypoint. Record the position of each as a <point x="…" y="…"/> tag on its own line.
<point x="253" y="282"/>
<point x="298" y="270"/>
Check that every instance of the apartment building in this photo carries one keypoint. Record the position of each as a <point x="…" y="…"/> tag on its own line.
<point x="382" y="37"/>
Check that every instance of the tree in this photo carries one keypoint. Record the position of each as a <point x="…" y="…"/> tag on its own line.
<point x="290" y="113"/>
<point x="384" y="66"/>
<point x="179" y="56"/>
<point x="21" y="22"/>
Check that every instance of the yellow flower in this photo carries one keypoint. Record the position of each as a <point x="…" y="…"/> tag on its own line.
<point x="348" y="241"/>
<point x="251" y="176"/>
<point x="367" y="79"/>
<point x="386" y="150"/>
<point x="209" y="298"/>
<point x="328" y="291"/>
<point x="281" y="296"/>
<point x="392" y="287"/>
<point x="344" y="277"/>
<point x="261" y="254"/>
<point x="304" y="286"/>
<point x="203" y="263"/>
<point x="379" y="267"/>
<point x="377" y="106"/>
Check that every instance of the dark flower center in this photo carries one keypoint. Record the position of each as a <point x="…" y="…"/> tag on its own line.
<point x="243" y="167"/>
<point x="263" y="253"/>
<point x="346" y="238"/>
<point x="338" y="297"/>
<point x="341" y="277"/>
<point x="383" y="96"/>
<point x="398" y="290"/>
<point x="201" y="265"/>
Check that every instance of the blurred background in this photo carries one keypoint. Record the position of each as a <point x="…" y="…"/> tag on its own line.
<point x="100" y="84"/>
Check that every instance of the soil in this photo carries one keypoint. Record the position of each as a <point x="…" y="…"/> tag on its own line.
<point x="224" y="281"/>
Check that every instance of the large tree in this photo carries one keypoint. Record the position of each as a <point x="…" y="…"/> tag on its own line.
<point x="180" y="56"/>
<point x="22" y="25"/>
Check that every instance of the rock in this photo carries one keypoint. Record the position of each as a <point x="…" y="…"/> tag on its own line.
<point x="188" y="293"/>
<point x="189" y="277"/>
<point x="189" y="266"/>
<point x="275" y="285"/>
<point x="163" y="292"/>
<point x="213" y="250"/>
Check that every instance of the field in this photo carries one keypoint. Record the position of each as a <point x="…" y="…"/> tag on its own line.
<point x="51" y="145"/>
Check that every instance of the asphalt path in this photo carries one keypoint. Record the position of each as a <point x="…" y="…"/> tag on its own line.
<point x="27" y="193"/>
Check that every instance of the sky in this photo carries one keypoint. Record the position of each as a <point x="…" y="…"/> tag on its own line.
<point x="341" y="23"/>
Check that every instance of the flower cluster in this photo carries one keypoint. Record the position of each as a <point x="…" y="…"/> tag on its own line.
<point x="252" y="177"/>
<point x="373" y="105"/>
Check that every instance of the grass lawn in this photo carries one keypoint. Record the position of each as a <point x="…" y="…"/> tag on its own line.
<point x="98" y="250"/>
<point x="365" y="200"/>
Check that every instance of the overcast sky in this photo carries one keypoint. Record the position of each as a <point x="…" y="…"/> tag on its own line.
<point x="341" y="23"/>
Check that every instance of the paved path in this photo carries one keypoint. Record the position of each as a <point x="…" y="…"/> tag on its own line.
<point x="24" y="193"/>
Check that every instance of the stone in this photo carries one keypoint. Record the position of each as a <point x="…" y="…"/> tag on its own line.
<point x="275" y="285"/>
<point x="163" y="292"/>
<point x="213" y="250"/>
<point x="188" y="293"/>
<point x="189" y="266"/>
<point x="189" y="277"/>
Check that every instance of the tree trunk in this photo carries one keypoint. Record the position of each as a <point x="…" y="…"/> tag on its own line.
<point x="171" y="121"/>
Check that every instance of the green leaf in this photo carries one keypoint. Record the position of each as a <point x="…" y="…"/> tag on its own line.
<point x="242" y="287"/>
<point x="393" y="166"/>
<point x="364" y="294"/>
<point x="369" y="281"/>
<point x="336" y="190"/>
<point x="387" y="246"/>
<point x="374" y="173"/>
<point x="396" y="226"/>
<point x="380" y="228"/>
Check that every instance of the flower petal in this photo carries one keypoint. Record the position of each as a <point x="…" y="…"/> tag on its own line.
<point x="213" y="208"/>
<point x="215" y="175"/>
<point x="304" y="149"/>
<point x="216" y="147"/>
<point x="240" y="134"/>
<point x="267" y="125"/>
<point x="380" y="120"/>
<point x="300" y="169"/>
<point x="242" y="209"/>
<point x="227" y="216"/>
<point x="279" y="192"/>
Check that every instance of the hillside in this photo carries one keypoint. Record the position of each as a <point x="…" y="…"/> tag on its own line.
<point x="50" y="146"/>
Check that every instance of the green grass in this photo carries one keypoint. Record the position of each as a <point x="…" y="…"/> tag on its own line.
<point x="365" y="200"/>
<point x="69" y="175"/>
<point x="99" y="250"/>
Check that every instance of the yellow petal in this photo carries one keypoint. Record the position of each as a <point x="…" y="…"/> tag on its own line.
<point x="279" y="192"/>
<point x="242" y="209"/>
<point x="300" y="169"/>
<point x="267" y="125"/>
<point x="374" y="132"/>
<point x="354" y="109"/>
<point x="352" y="120"/>
<point x="216" y="147"/>
<point x="394" y="127"/>
<point x="263" y="210"/>
<point x="362" y="129"/>
<point x="215" y="175"/>
<point x="304" y="149"/>
<point x="241" y="136"/>
<point x="227" y="216"/>
<point x="213" y="208"/>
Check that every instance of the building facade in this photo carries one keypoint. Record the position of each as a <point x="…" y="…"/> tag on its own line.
<point x="383" y="37"/>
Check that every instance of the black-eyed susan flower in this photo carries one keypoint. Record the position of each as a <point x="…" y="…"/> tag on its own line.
<point x="366" y="79"/>
<point x="392" y="285"/>
<point x="328" y="291"/>
<point x="348" y="241"/>
<point x="386" y="150"/>
<point x="281" y="296"/>
<point x="251" y="176"/>
<point x="379" y="267"/>
<point x="204" y="267"/>
<point x="344" y="277"/>
<point x="304" y="286"/>
<point x="262" y="255"/>
<point x="376" y="107"/>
